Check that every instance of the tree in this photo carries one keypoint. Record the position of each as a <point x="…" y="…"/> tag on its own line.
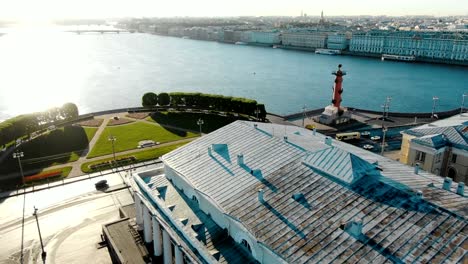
<point x="69" y="111"/>
<point x="149" y="99"/>
<point x="164" y="99"/>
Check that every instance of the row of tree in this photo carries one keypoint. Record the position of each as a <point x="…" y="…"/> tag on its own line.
<point x="206" y="101"/>
<point x="23" y="125"/>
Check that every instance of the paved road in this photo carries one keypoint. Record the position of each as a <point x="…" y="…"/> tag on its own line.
<point x="71" y="218"/>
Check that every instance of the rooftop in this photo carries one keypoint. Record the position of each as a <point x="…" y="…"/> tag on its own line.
<point x="123" y="237"/>
<point x="453" y="131"/>
<point x="313" y="186"/>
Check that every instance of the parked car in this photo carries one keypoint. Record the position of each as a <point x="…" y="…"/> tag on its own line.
<point x="101" y="184"/>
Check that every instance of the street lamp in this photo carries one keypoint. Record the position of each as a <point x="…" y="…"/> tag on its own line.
<point x="388" y="101"/>
<point x="44" y="254"/>
<point x="386" y="107"/>
<point x="18" y="155"/>
<point x="303" y="115"/>
<point x="112" y="139"/>
<point x="434" y="99"/>
<point x="200" y="123"/>
<point x="463" y="103"/>
<point x="384" y="130"/>
<point x="257" y="111"/>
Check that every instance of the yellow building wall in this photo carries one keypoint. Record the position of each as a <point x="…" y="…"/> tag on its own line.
<point x="405" y="148"/>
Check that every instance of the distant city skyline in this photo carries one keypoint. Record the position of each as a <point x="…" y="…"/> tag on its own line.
<point x="46" y="10"/>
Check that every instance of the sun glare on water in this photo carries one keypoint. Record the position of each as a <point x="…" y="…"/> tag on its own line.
<point x="40" y="67"/>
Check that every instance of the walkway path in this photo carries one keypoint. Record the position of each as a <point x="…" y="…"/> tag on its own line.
<point x="76" y="165"/>
<point x="76" y="170"/>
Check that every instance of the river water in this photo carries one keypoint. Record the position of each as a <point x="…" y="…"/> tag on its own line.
<point x="44" y="68"/>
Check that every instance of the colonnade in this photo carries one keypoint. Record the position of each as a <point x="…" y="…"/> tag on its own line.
<point x="154" y="232"/>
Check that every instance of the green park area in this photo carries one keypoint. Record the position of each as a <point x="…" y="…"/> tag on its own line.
<point x="127" y="137"/>
<point x="141" y="156"/>
<point x="187" y="120"/>
<point x="52" y="148"/>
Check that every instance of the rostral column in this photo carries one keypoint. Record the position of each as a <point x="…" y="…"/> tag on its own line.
<point x="337" y="89"/>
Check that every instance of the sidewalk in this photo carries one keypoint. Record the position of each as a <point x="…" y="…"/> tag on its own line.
<point x="7" y="194"/>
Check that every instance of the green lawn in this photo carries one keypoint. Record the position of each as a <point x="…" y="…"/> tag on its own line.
<point x="144" y="155"/>
<point x="129" y="135"/>
<point x="188" y="120"/>
<point x="60" y="146"/>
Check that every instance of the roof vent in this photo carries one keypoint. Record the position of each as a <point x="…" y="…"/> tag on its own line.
<point x="285" y="138"/>
<point x="416" y="168"/>
<point x="461" y="188"/>
<point x="328" y="141"/>
<point x="255" y="126"/>
<point x="209" y="151"/>
<point x="260" y="196"/>
<point x="240" y="159"/>
<point x="447" y="184"/>
<point x="354" y="228"/>
<point x="419" y="194"/>
<point x="314" y="131"/>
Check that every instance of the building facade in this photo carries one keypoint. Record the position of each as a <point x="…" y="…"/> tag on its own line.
<point x="308" y="40"/>
<point x="266" y="193"/>
<point x="337" y="41"/>
<point x="440" y="148"/>
<point x="262" y="37"/>
<point x="426" y="45"/>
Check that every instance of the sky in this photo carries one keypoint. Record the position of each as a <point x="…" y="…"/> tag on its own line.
<point x="42" y="10"/>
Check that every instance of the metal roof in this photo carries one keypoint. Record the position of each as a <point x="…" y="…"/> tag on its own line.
<point x="453" y="135"/>
<point x="397" y="224"/>
<point x="434" y="141"/>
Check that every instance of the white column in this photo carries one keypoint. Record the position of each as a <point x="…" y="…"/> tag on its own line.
<point x="157" y="239"/>
<point x="139" y="212"/>
<point x="148" y="233"/>
<point x="179" y="258"/>
<point x="167" y="248"/>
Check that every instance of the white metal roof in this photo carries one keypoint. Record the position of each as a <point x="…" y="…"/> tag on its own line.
<point x="397" y="225"/>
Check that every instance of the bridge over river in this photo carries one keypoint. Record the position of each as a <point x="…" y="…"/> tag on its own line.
<point x="102" y="31"/>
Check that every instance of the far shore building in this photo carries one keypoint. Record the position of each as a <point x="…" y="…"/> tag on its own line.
<point x="268" y="193"/>
<point x="440" y="147"/>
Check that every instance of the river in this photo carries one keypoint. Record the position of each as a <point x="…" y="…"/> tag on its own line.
<point x="44" y="68"/>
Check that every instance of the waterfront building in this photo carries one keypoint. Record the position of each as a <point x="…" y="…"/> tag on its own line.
<point x="438" y="46"/>
<point x="440" y="147"/>
<point x="268" y="193"/>
<point x="246" y="36"/>
<point x="304" y="39"/>
<point x="262" y="37"/>
<point x="231" y="36"/>
<point x="367" y="43"/>
<point x="337" y="41"/>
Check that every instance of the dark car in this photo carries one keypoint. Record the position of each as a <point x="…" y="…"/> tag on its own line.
<point x="101" y="184"/>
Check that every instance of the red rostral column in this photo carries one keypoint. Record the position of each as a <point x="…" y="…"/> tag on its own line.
<point x="337" y="89"/>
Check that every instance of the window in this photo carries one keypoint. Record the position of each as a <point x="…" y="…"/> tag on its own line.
<point x="454" y="158"/>
<point x="420" y="156"/>
<point x="246" y="245"/>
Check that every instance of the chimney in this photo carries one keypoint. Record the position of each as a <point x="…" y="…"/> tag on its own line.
<point x="314" y="131"/>
<point x="447" y="184"/>
<point x="416" y="168"/>
<point x="461" y="188"/>
<point x="255" y="126"/>
<point x="328" y="141"/>
<point x="240" y="159"/>
<point x="285" y="138"/>
<point x="354" y="228"/>
<point x="260" y="196"/>
<point x="209" y="150"/>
